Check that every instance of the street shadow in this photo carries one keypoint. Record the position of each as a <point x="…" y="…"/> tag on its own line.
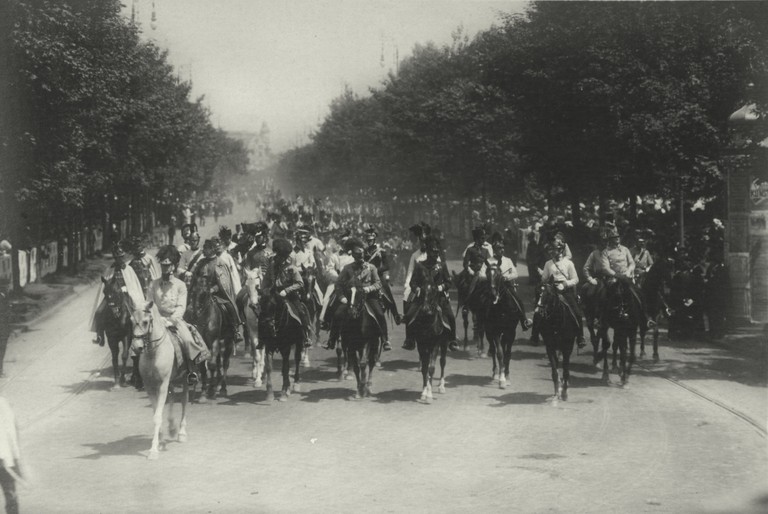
<point x="397" y="395"/>
<point x="250" y="396"/>
<point x="104" y="384"/>
<point x="457" y="380"/>
<point x="131" y="445"/>
<point x="517" y="398"/>
<point x="328" y="393"/>
<point x="400" y="364"/>
<point x="519" y="355"/>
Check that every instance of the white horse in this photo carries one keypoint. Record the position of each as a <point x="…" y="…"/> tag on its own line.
<point x="158" y="367"/>
<point x="252" y="284"/>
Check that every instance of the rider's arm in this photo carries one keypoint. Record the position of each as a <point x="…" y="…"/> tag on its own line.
<point x="605" y="264"/>
<point x="181" y="302"/>
<point x="296" y="281"/>
<point x="546" y="271"/>
<point x="409" y="276"/>
<point x="571" y="277"/>
<point x="375" y="281"/>
<point x="510" y="274"/>
<point x="588" y="266"/>
<point x="630" y="264"/>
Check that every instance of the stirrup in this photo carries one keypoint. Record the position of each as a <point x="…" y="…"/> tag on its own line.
<point x="192" y="378"/>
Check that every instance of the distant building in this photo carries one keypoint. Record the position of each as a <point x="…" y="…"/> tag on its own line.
<point x="257" y="144"/>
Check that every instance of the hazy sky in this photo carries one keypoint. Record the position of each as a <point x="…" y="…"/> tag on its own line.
<point x="283" y="61"/>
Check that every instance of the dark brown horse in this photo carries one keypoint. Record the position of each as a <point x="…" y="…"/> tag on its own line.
<point x="360" y="338"/>
<point x="470" y="306"/>
<point x="559" y="329"/>
<point x="502" y="315"/>
<point x="217" y="330"/>
<point x="281" y="331"/>
<point x="431" y="329"/>
<point x="623" y="314"/>
<point x="116" y="321"/>
<point x="655" y="290"/>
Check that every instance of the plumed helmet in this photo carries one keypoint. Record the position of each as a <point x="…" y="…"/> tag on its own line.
<point x="370" y="232"/>
<point x="168" y="255"/>
<point x="225" y="232"/>
<point x="478" y="232"/>
<point x="351" y="244"/>
<point x="432" y="244"/>
<point x="282" y="247"/>
<point x="417" y="230"/>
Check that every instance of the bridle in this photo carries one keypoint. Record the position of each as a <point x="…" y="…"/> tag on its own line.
<point x="150" y="344"/>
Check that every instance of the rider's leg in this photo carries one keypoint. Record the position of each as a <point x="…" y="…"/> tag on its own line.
<point x="189" y="350"/>
<point x="338" y="319"/>
<point x="453" y="344"/>
<point x="378" y="312"/>
<point x="409" y="343"/>
<point x="570" y="297"/>
<point x="97" y="325"/>
<point x="526" y="323"/>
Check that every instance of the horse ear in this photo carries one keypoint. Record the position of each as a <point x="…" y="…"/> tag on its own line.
<point x="104" y="280"/>
<point x="149" y="306"/>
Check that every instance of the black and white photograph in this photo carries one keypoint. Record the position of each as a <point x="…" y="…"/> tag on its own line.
<point x="383" y="256"/>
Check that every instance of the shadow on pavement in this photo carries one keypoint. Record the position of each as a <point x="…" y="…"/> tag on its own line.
<point x="131" y="445"/>
<point x="397" y="395"/>
<point x="521" y="398"/>
<point x="518" y="355"/>
<point x="401" y="364"/>
<point x="105" y="383"/>
<point x="328" y="393"/>
<point x="454" y="380"/>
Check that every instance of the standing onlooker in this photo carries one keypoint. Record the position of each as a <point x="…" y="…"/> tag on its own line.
<point x="532" y="258"/>
<point x="11" y="468"/>
<point x="5" y="321"/>
<point x="171" y="229"/>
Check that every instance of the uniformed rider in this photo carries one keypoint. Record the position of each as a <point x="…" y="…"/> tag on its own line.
<point x="432" y="271"/>
<point x="128" y="282"/>
<point x="376" y="255"/>
<point x="508" y="272"/>
<point x="563" y="273"/>
<point x="619" y="268"/>
<point x="144" y="265"/>
<point x="211" y="275"/>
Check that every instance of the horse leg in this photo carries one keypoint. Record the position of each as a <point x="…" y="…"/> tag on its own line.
<point x="268" y="357"/>
<point x="298" y="358"/>
<point x="492" y="341"/>
<point x="566" y="369"/>
<point x="339" y="362"/>
<point x="159" y="395"/>
<point x="606" y="348"/>
<point x="465" y="319"/>
<point x="552" y="356"/>
<point x="372" y="355"/>
<point x="172" y="429"/>
<point x="182" y="437"/>
<point x="507" y="343"/>
<point x="443" y="352"/>
<point x="615" y="347"/>
<point x="632" y="343"/>
<point x="257" y="372"/>
<point x="363" y="363"/>
<point x="656" y="341"/>
<point x="424" y="359"/>
<point x="432" y="360"/>
<point x="228" y="351"/>
<point x="114" y="349"/>
<point x="286" y="368"/>
<point x="126" y="354"/>
<point x="622" y="343"/>
<point x="353" y="360"/>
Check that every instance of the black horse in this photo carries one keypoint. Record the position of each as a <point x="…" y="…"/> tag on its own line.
<point x="432" y="331"/>
<point x="624" y="314"/>
<point x="116" y="321"/>
<point x="470" y="304"/>
<point x="281" y="330"/>
<point x="502" y="315"/>
<point x="217" y="330"/>
<point x="361" y="338"/>
<point x="559" y="329"/>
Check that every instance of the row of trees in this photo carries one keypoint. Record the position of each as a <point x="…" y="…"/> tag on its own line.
<point x="95" y="124"/>
<point x="573" y="100"/>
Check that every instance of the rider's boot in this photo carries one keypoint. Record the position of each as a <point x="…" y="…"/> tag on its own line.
<point x="333" y="337"/>
<point x="409" y="344"/>
<point x="453" y="345"/>
<point x="386" y="346"/>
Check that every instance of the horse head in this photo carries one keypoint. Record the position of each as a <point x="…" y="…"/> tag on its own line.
<point x="115" y="297"/>
<point x="356" y="303"/>
<point x="548" y="299"/>
<point x="144" y="328"/>
<point x="253" y="280"/>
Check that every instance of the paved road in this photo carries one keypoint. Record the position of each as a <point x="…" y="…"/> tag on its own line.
<point x="651" y="447"/>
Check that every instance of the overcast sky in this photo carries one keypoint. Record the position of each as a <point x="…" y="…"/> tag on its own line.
<point x="283" y="61"/>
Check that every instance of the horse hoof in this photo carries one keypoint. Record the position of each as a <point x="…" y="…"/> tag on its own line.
<point x="441" y="389"/>
<point x="283" y="397"/>
<point x="642" y="354"/>
<point x="270" y="397"/>
<point x="502" y="385"/>
<point x="495" y="376"/>
<point x="348" y="377"/>
<point x="182" y="438"/>
<point x="378" y="364"/>
<point x="296" y="388"/>
<point x="564" y="396"/>
<point x="357" y="396"/>
<point x="153" y="455"/>
<point x="257" y="384"/>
